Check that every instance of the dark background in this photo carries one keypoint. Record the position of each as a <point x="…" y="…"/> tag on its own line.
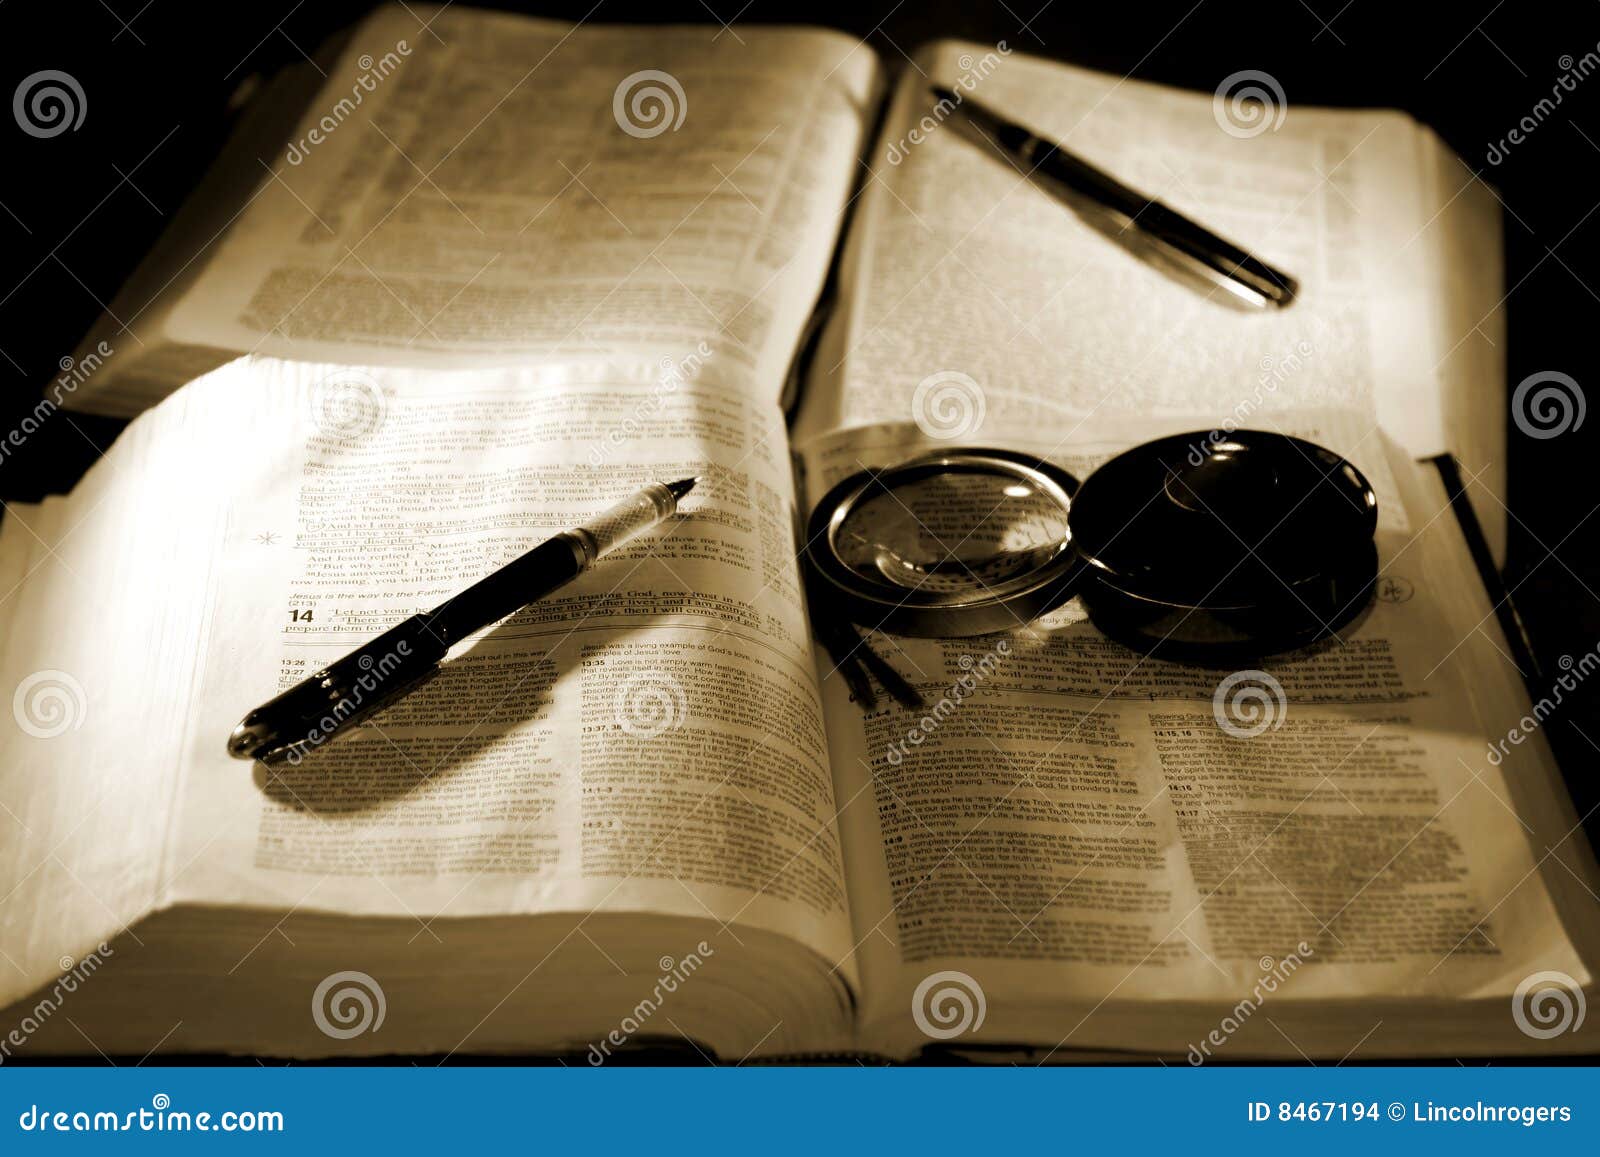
<point x="78" y="210"/>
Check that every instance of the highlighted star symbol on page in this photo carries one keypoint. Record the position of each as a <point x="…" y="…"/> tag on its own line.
<point x="267" y="537"/>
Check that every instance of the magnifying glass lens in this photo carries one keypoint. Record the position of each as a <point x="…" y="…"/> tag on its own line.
<point x="958" y="532"/>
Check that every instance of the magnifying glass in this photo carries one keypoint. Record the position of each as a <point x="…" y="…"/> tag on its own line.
<point x="957" y="543"/>
<point x="1190" y="547"/>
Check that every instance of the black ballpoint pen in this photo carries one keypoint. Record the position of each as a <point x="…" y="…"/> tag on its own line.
<point x="376" y="674"/>
<point x="1215" y="258"/>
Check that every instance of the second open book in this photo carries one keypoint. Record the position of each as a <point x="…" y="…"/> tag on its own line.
<point x="489" y="299"/>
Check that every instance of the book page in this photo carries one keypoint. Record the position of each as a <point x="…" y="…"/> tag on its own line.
<point x="1080" y="830"/>
<point x="981" y="307"/>
<point x="648" y="739"/>
<point x="496" y="189"/>
<point x="91" y="600"/>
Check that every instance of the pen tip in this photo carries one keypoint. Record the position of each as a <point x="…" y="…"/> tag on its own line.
<point x="940" y="92"/>
<point x="681" y="487"/>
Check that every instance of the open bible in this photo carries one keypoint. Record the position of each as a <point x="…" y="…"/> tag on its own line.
<point x="496" y="273"/>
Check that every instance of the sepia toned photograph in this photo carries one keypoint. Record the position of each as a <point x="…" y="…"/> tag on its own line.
<point x="565" y="556"/>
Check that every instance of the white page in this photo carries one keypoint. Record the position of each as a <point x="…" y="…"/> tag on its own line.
<point x="494" y="190"/>
<point x="1080" y="827"/>
<point x="958" y="267"/>
<point x="105" y="596"/>
<point x="647" y="739"/>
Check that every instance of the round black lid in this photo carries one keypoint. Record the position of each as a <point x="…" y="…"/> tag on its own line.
<point x="1229" y="521"/>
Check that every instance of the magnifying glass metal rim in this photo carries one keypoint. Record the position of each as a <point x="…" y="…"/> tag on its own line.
<point x="908" y="611"/>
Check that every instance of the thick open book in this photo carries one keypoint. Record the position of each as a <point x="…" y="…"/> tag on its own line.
<point x="478" y="292"/>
